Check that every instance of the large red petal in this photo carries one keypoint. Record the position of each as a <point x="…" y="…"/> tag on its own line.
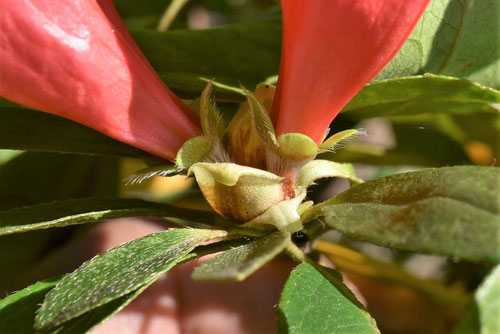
<point x="68" y="59"/>
<point x="330" y="50"/>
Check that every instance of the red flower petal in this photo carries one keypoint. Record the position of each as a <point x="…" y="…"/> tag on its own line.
<point x="66" y="58"/>
<point x="330" y="50"/>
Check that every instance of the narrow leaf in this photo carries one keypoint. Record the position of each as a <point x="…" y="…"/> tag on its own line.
<point x="90" y="320"/>
<point x="450" y="211"/>
<point x="310" y="304"/>
<point x="89" y="210"/>
<point x="240" y="262"/>
<point x="421" y="95"/>
<point x="117" y="273"/>
<point x="25" y="129"/>
<point x="17" y="311"/>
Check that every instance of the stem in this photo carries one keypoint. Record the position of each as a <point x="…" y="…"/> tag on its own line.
<point x="296" y="254"/>
<point x="170" y="13"/>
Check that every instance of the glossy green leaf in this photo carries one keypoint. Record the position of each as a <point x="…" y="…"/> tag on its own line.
<point x="25" y="129"/>
<point x="117" y="273"/>
<point x="240" y="262"/>
<point x="453" y="37"/>
<point x="186" y="59"/>
<point x="427" y="94"/>
<point x="89" y="210"/>
<point x="488" y="302"/>
<point x="451" y="211"/>
<point x="311" y="304"/>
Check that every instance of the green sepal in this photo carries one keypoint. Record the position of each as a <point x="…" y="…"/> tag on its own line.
<point x="263" y="123"/>
<point x="148" y="172"/>
<point x="297" y="146"/>
<point x="229" y="174"/>
<point x="192" y="151"/>
<point x="335" y="139"/>
<point x="210" y="117"/>
<point x="318" y="169"/>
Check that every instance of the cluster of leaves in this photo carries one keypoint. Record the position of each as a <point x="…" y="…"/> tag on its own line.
<point x="438" y="95"/>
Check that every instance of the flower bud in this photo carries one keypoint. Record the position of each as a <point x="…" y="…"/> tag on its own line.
<point x="240" y="193"/>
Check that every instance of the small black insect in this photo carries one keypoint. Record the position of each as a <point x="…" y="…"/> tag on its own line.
<point x="300" y="238"/>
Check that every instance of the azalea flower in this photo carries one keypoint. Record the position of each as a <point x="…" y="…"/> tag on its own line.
<point x="330" y="50"/>
<point x="76" y="59"/>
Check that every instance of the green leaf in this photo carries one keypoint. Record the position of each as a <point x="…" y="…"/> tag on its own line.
<point x="117" y="273"/>
<point x="35" y="177"/>
<point x="425" y="94"/>
<point x="484" y="315"/>
<point x="25" y="129"/>
<point x="310" y="304"/>
<point x="488" y="302"/>
<point x="185" y="59"/>
<point x="17" y="311"/>
<point x="64" y="176"/>
<point x="240" y="262"/>
<point x="451" y="211"/>
<point x="455" y="38"/>
<point x="88" y="321"/>
<point x="89" y="210"/>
